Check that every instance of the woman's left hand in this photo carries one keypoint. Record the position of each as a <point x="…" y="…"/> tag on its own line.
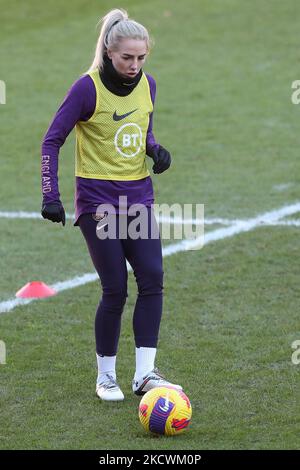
<point x="161" y="158"/>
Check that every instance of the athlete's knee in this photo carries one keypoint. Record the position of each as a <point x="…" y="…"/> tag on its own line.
<point x="151" y="280"/>
<point x="114" y="300"/>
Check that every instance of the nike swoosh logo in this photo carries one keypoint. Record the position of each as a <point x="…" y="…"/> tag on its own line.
<point x="102" y="226"/>
<point x="117" y="117"/>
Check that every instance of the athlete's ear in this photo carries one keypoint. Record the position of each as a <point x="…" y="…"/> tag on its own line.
<point x="108" y="52"/>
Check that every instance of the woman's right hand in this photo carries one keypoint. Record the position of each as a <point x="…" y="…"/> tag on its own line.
<point x="54" y="211"/>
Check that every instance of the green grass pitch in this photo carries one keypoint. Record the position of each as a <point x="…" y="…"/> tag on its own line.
<point x="224" y="71"/>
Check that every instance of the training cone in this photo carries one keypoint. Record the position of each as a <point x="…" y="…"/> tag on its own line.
<point x="35" y="289"/>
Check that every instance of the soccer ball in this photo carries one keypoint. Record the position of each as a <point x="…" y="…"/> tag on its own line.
<point x="165" y="410"/>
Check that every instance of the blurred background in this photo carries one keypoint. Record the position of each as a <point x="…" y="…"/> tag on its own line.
<point x="224" y="71"/>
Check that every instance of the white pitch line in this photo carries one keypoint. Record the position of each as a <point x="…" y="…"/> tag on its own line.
<point x="285" y="223"/>
<point x="25" y="215"/>
<point x="219" y="234"/>
<point x="161" y="219"/>
<point x="282" y="187"/>
<point x="75" y="282"/>
<point x="238" y="227"/>
<point x="10" y="304"/>
<point x="207" y="221"/>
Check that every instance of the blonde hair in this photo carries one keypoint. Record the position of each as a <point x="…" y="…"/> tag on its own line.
<point x="115" y="26"/>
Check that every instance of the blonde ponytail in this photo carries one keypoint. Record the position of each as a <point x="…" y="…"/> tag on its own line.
<point x="115" y="26"/>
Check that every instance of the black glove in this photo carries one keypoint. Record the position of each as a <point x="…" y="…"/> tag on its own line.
<point x="54" y="211"/>
<point x="161" y="158"/>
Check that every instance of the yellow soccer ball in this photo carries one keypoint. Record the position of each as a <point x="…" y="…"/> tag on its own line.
<point x="165" y="410"/>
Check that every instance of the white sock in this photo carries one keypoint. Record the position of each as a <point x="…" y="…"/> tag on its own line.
<point x="106" y="365"/>
<point x="144" y="361"/>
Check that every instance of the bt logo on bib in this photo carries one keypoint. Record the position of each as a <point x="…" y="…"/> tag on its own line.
<point x="128" y="140"/>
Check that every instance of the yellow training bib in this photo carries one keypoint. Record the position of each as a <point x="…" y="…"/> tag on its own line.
<point x="111" y="145"/>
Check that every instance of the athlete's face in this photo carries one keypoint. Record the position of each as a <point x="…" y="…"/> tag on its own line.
<point x="130" y="56"/>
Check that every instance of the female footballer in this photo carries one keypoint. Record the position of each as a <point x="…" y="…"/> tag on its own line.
<point x="111" y="108"/>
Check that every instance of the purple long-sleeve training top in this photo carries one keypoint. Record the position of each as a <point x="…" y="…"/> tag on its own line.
<point x="79" y="105"/>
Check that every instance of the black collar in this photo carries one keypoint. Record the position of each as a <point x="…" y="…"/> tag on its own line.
<point x="116" y="83"/>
